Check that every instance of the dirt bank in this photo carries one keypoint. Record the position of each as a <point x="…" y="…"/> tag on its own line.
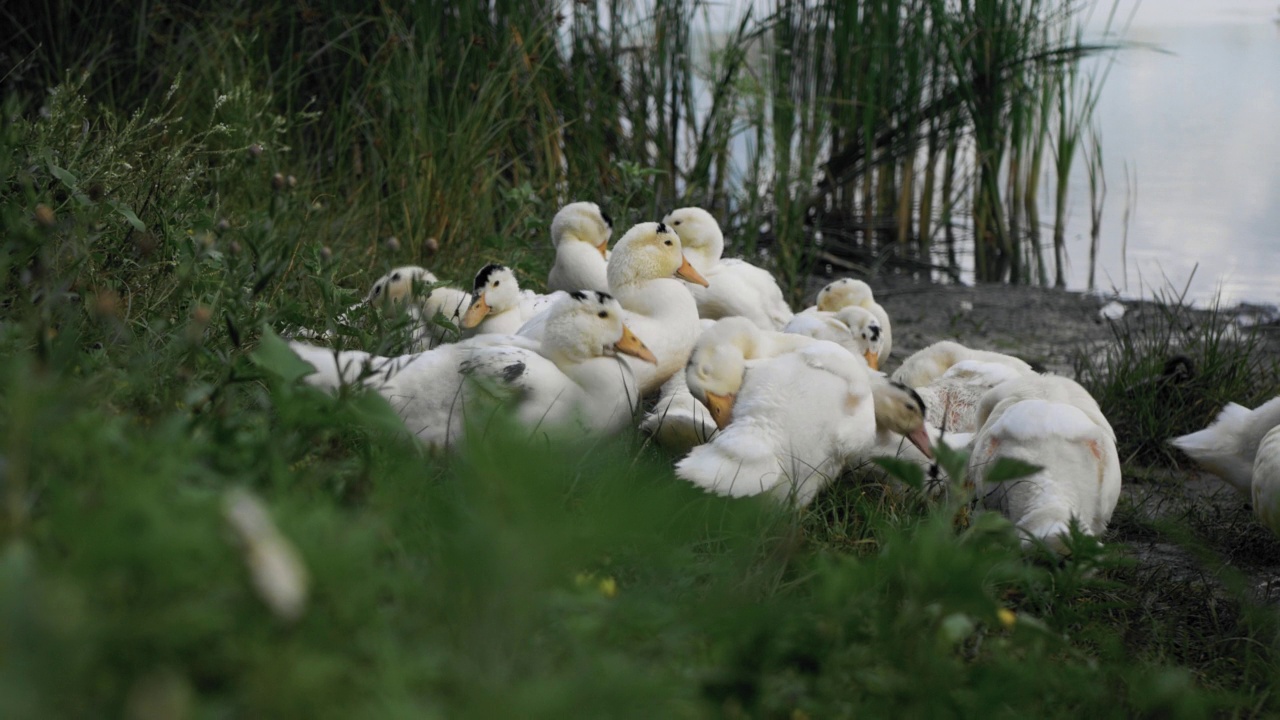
<point x="1163" y="511"/>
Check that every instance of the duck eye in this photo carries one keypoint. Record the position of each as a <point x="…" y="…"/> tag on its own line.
<point x="377" y="289"/>
<point x="675" y="222"/>
<point x="496" y="283"/>
<point x="668" y="243"/>
<point x="603" y="313"/>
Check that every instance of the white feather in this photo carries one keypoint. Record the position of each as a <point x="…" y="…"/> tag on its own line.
<point x="1041" y="421"/>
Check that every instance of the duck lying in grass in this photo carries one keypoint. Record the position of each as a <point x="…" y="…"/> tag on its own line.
<point x="734" y="287"/>
<point x="643" y="272"/>
<point x="793" y="412"/>
<point x="498" y="304"/>
<point x="571" y="381"/>
<point x="929" y="364"/>
<point x="580" y="234"/>
<point x="1053" y="423"/>
<point x="397" y="286"/>
<point x="848" y="292"/>
<point x="854" y="328"/>
<point x="437" y="311"/>
<point x="1242" y="447"/>
<point x="953" y="378"/>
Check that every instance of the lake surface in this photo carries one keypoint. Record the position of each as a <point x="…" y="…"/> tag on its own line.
<point x="1198" y="128"/>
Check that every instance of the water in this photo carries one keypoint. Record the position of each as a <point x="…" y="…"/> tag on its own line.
<point x="1198" y="128"/>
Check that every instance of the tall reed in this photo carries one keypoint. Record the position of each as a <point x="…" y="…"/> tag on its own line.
<point x="873" y="125"/>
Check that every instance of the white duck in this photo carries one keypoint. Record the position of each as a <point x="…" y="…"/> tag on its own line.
<point x="854" y="328"/>
<point x="397" y="286"/>
<point x="954" y="398"/>
<point x="394" y="291"/>
<point x="642" y="275"/>
<point x="1053" y="423"/>
<point x="580" y="234"/>
<point x="438" y="313"/>
<point x="793" y="411"/>
<point x="734" y="287"/>
<point x="931" y="363"/>
<point x="1242" y="447"/>
<point x="848" y="292"/>
<point x="498" y="304"/>
<point x="440" y="317"/>
<point x="679" y="421"/>
<point x="570" y="381"/>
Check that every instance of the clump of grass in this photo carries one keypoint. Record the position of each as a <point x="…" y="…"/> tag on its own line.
<point x="1167" y="371"/>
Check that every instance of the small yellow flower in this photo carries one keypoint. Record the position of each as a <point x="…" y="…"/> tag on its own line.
<point x="608" y="587"/>
<point x="1007" y="617"/>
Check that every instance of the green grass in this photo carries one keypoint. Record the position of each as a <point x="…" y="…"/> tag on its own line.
<point x="145" y="245"/>
<point x="1137" y="378"/>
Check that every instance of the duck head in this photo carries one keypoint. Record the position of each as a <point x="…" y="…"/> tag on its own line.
<point x="843" y="293"/>
<point x="718" y="365"/>
<point x="585" y="222"/>
<point x="900" y="409"/>
<point x="588" y="324"/>
<point x="700" y="235"/>
<point x="398" y="285"/>
<point x="866" y="331"/>
<point x="649" y="251"/>
<point x="495" y="291"/>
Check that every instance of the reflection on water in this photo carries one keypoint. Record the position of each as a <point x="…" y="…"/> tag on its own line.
<point x="1200" y="129"/>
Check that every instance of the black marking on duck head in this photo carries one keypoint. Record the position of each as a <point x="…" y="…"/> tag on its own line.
<point x="603" y="297"/>
<point x="875" y="332"/>
<point x="662" y="228"/>
<point x="482" y="277"/>
<point x="395" y="277"/>
<point x="607" y="220"/>
<point x="914" y="396"/>
<point x="512" y="372"/>
<point x="579" y="295"/>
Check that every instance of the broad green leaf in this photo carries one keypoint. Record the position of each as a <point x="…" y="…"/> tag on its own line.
<point x="377" y="413"/>
<point x="954" y="462"/>
<point x="64" y="175"/>
<point x="903" y="470"/>
<point x="1006" y="469"/>
<point x="129" y="215"/>
<point x="274" y="354"/>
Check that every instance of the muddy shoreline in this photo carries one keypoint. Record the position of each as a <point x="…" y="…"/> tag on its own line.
<point x="1053" y="328"/>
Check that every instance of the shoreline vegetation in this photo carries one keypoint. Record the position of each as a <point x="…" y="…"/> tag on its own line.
<point x="187" y="531"/>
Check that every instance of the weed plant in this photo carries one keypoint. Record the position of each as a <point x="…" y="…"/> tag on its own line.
<point x="1169" y="369"/>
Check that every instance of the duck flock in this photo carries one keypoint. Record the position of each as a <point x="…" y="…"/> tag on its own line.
<point x="754" y="397"/>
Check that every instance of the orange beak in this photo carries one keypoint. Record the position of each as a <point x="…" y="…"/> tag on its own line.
<point x="721" y="407"/>
<point x="604" y="249"/>
<point x="873" y="359"/>
<point x="687" y="272"/>
<point x="477" y="312"/>
<point x="631" y="345"/>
